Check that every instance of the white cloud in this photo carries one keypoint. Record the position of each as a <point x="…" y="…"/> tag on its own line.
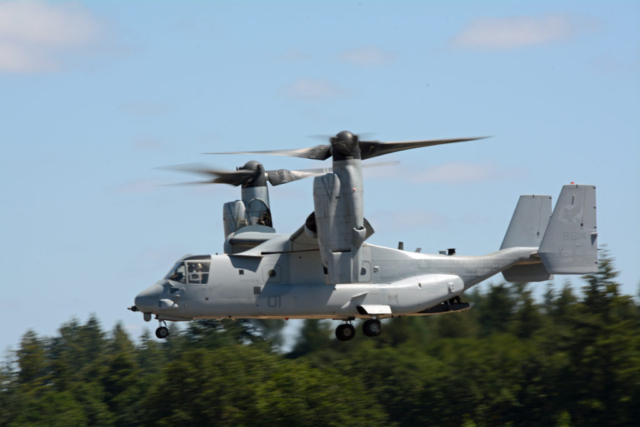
<point x="463" y="172"/>
<point x="18" y="59"/>
<point x="35" y="34"/>
<point x="519" y="31"/>
<point x="368" y="56"/>
<point x="313" y="90"/>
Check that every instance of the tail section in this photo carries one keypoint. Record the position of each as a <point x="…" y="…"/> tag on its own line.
<point x="570" y="244"/>
<point x="527" y="227"/>
<point x="567" y="240"/>
<point x="529" y="222"/>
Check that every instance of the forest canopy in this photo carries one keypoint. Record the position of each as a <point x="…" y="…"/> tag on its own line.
<point x="569" y="358"/>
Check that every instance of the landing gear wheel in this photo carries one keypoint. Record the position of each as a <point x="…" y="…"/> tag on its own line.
<point x="372" y="328"/>
<point x="162" y="332"/>
<point x="345" y="332"/>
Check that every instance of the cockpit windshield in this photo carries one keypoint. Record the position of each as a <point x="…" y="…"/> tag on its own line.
<point x="193" y="269"/>
<point x="177" y="273"/>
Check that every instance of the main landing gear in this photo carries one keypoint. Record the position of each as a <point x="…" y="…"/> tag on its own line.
<point x="346" y="331"/>
<point x="162" y="332"/>
<point x="372" y="328"/>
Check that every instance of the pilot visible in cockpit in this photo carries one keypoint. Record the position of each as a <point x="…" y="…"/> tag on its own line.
<point x="178" y="275"/>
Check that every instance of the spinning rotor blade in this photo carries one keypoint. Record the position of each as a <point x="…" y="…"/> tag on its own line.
<point x="369" y="149"/>
<point x="319" y="152"/>
<point x="282" y="176"/>
<point x="235" y="178"/>
<point x="244" y="176"/>
<point x="347" y="145"/>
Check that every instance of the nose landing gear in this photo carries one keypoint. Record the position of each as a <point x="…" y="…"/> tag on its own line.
<point x="162" y="332"/>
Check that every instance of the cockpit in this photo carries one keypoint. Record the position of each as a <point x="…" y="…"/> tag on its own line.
<point x="191" y="269"/>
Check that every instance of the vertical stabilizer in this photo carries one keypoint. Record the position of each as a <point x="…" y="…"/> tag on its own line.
<point x="529" y="222"/>
<point x="526" y="229"/>
<point x="570" y="244"/>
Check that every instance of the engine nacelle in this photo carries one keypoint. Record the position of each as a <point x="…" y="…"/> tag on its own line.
<point x="233" y="216"/>
<point x="340" y="226"/>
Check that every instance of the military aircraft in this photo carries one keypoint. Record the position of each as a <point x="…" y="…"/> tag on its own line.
<point x="327" y="269"/>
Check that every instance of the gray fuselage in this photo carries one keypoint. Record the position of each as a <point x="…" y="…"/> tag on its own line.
<point x="291" y="285"/>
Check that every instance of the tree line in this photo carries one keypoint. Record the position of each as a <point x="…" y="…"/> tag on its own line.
<point x="570" y="358"/>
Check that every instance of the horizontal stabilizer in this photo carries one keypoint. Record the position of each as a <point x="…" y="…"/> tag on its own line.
<point x="570" y="244"/>
<point x="527" y="273"/>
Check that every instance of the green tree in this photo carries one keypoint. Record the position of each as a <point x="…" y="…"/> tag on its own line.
<point x="526" y="317"/>
<point x="32" y="361"/>
<point x="243" y="385"/>
<point x="315" y="335"/>
<point x="55" y="409"/>
<point x="121" y="385"/>
<point x="495" y="310"/>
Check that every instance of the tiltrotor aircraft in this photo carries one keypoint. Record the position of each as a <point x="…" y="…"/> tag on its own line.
<point x="328" y="270"/>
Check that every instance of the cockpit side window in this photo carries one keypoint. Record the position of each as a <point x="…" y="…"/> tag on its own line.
<point x="178" y="274"/>
<point x="198" y="272"/>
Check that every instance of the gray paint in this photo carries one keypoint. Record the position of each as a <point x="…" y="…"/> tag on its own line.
<point x="527" y="227"/>
<point x="407" y="282"/>
<point x="326" y="270"/>
<point x="570" y="245"/>
<point x="529" y="221"/>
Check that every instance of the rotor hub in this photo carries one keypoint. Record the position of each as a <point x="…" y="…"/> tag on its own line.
<point x="346" y="136"/>
<point x="345" y="144"/>
<point x="251" y="165"/>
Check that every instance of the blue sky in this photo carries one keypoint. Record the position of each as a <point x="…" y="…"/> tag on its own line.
<point x="94" y="96"/>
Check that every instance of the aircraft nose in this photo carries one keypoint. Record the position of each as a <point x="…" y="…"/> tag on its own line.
<point x="148" y="299"/>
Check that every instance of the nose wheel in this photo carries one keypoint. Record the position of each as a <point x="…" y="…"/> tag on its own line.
<point x="345" y="332"/>
<point x="162" y="332"/>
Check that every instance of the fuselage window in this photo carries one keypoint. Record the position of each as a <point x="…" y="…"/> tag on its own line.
<point x="178" y="274"/>
<point x="198" y="272"/>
